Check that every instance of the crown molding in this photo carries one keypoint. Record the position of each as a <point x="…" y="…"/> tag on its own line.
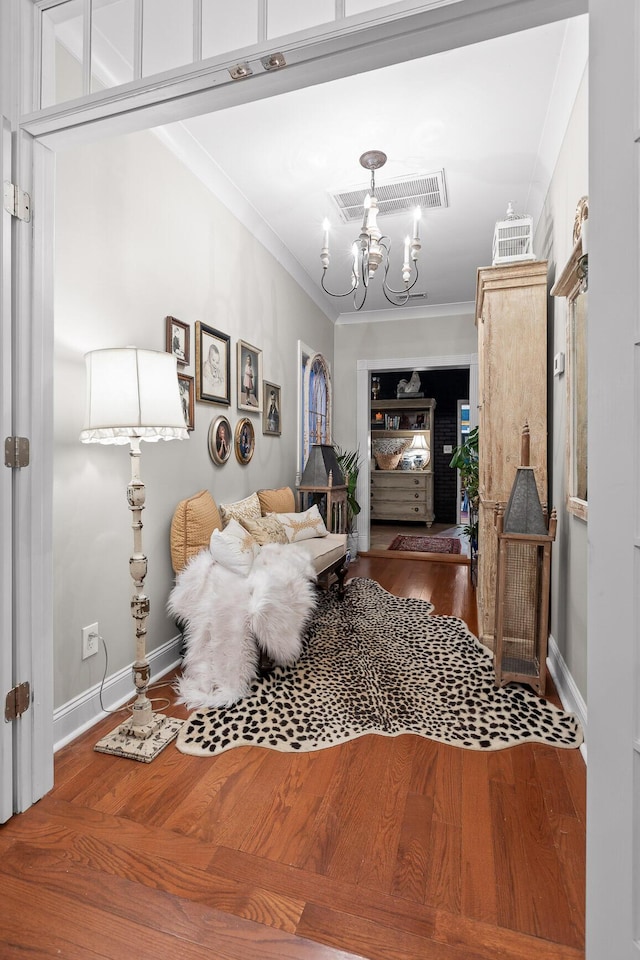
<point x="463" y="309"/>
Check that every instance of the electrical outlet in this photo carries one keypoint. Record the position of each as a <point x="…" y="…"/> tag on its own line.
<point x="90" y="640"/>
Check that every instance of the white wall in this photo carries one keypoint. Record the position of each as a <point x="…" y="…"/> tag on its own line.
<point x="426" y="336"/>
<point x="554" y="241"/>
<point x="138" y="238"/>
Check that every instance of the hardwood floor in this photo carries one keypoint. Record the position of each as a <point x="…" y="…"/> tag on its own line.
<point x="384" y="848"/>
<point x="382" y="532"/>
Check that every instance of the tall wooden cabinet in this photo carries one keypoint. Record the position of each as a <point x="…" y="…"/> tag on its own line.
<point x="511" y="317"/>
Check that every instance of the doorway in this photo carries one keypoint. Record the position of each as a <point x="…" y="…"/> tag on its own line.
<point x="438" y="371"/>
<point x="444" y="388"/>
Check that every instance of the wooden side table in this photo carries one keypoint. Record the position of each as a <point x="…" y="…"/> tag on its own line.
<point x="331" y="500"/>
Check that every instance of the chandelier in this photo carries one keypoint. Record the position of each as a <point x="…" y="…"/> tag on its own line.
<point x="372" y="248"/>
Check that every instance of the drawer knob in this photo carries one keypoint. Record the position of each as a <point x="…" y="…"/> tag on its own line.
<point x="416" y="495"/>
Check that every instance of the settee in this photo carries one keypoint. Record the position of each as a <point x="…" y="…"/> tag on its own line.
<point x="244" y="589"/>
<point x="195" y="519"/>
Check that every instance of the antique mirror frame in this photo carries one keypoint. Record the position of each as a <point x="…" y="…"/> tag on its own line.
<point x="573" y="284"/>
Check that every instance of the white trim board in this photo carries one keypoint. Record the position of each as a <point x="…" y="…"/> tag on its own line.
<point x="571" y="698"/>
<point x="84" y="711"/>
<point x="466" y="308"/>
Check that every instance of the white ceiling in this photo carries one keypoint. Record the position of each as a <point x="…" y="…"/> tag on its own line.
<point x="492" y="115"/>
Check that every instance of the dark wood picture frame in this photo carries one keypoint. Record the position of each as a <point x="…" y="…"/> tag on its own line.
<point x="213" y="365"/>
<point x="220" y="440"/>
<point x="187" y="396"/>
<point x="244" y="440"/>
<point x="271" y="409"/>
<point x="249" y="366"/>
<point x="178" y="342"/>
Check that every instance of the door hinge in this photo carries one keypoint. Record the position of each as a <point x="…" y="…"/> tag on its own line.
<point x="17" y="702"/>
<point x="16" y="201"/>
<point x="16" y="452"/>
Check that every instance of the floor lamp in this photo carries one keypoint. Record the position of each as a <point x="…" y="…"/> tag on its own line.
<point x="133" y="395"/>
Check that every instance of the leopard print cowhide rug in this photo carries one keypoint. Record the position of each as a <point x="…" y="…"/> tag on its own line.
<point x="375" y="663"/>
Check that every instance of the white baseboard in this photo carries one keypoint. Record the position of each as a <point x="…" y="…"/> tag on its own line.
<point x="571" y="698"/>
<point x="81" y="713"/>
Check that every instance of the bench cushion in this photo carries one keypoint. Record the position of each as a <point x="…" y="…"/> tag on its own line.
<point x="324" y="551"/>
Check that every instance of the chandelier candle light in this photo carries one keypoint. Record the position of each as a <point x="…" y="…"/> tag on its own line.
<point x="372" y="248"/>
<point x="133" y="395"/>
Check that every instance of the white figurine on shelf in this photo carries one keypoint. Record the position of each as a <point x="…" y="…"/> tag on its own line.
<point x="409" y="388"/>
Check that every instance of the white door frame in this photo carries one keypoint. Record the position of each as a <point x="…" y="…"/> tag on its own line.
<point x="364" y="370"/>
<point x="33" y="486"/>
<point x="6" y="488"/>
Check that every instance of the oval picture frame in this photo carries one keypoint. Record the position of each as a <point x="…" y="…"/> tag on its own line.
<point x="220" y="435"/>
<point x="244" y="440"/>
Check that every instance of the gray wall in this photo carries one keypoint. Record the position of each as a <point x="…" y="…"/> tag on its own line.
<point x="418" y="336"/>
<point x="553" y="241"/>
<point x="137" y="238"/>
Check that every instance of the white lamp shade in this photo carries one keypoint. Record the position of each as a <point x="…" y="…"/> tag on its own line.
<point x="132" y="393"/>
<point x="419" y="442"/>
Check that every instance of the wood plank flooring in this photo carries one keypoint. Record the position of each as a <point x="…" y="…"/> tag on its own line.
<point x="383" y="848"/>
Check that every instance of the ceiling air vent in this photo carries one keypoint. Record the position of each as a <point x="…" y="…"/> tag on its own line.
<point x="397" y="196"/>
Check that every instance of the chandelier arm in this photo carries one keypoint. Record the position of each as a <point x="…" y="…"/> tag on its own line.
<point x="331" y="293"/>
<point x="364" y="268"/>
<point x="400" y="300"/>
<point x="365" y="290"/>
<point x="399" y="293"/>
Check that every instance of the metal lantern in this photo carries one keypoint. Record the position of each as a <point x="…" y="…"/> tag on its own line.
<point x="513" y="238"/>
<point x="525" y="536"/>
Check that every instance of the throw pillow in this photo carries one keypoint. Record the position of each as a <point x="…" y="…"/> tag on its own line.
<point x="303" y="526"/>
<point x="234" y="548"/>
<point x="281" y="500"/>
<point x="249" y="507"/>
<point x="266" y="530"/>
<point x="191" y="527"/>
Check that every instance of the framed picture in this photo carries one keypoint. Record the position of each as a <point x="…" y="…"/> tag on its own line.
<point x="249" y="377"/>
<point x="178" y="340"/>
<point x="185" y="383"/>
<point x="213" y="365"/>
<point x="245" y="440"/>
<point x="271" y="407"/>
<point x="220" y="440"/>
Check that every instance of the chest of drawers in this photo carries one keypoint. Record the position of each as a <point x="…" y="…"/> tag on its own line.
<point x="402" y="495"/>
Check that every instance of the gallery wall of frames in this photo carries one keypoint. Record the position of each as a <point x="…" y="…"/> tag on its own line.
<point x="209" y="354"/>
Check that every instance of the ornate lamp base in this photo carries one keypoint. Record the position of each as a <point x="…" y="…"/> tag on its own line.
<point x="140" y="743"/>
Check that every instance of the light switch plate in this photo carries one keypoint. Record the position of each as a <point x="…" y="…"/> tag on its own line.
<point x="448" y="448"/>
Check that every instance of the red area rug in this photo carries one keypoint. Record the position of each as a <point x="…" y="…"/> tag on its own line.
<point x="427" y="544"/>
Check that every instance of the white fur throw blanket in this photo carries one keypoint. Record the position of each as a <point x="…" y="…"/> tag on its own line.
<point x="228" y="615"/>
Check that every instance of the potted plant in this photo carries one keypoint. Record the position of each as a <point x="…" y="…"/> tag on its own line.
<point x="350" y="465"/>
<point x="465" y="459"/>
